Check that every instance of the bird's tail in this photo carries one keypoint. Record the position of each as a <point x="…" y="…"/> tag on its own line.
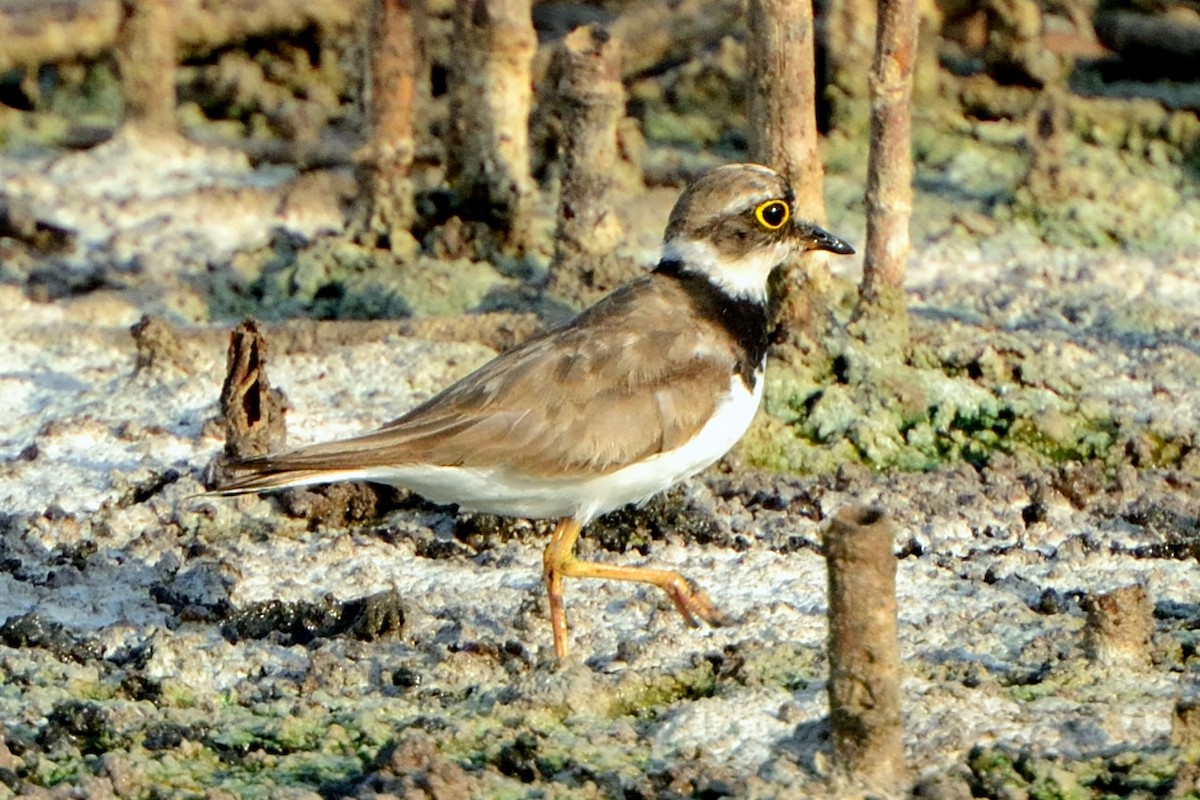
<point x="357" y="459"/>
<point x="274" y="472"/>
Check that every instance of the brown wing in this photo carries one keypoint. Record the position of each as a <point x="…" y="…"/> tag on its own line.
<point x="630" y="377"/>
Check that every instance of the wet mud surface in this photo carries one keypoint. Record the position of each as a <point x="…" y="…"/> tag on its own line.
<point x="1035" y="446"/>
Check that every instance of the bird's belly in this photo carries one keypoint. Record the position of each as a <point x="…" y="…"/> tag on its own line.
<point x="498" y="490"/>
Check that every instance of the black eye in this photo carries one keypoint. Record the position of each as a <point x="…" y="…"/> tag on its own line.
<point x="772" y="214"/>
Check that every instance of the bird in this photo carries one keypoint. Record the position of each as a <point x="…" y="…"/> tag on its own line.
<point x="649" y="386"/>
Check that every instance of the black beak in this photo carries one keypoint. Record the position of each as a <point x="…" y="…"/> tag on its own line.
<point x="817" y="238"/>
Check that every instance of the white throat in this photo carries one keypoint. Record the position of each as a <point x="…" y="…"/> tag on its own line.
<point x="744" y="278"/>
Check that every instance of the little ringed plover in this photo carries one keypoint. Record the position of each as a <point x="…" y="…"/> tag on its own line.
<point x="647" y="387"/>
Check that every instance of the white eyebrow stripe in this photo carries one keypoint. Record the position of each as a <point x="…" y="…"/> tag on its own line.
<point x="737" y="205"/>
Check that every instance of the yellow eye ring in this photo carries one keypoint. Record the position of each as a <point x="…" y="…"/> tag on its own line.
<point x="773" y="214"/>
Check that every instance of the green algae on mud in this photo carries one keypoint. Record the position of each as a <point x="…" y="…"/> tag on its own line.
<point x="938" y="405"/>
<point x="1138" y="775"/>
<point x="337" y="278"/>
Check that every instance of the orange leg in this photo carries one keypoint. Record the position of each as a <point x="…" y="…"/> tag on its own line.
<point x="559" y="561"/>
<point x="558" y="552"/>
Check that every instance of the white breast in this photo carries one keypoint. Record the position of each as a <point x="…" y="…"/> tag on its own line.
<point x="639" y="482"/>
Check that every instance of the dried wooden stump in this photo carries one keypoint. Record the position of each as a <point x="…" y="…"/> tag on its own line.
<point x="1119" y="626"/>
<point x="591" y="101"/>
<point x="252" y="412"/>
<point x="491" y="94"/>
<point x="864" y="651"/>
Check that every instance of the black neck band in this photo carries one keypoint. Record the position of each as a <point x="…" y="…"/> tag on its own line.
<point x="745" y="320"/>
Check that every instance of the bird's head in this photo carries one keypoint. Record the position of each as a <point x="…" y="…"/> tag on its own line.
<point x="736" y="223"/>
